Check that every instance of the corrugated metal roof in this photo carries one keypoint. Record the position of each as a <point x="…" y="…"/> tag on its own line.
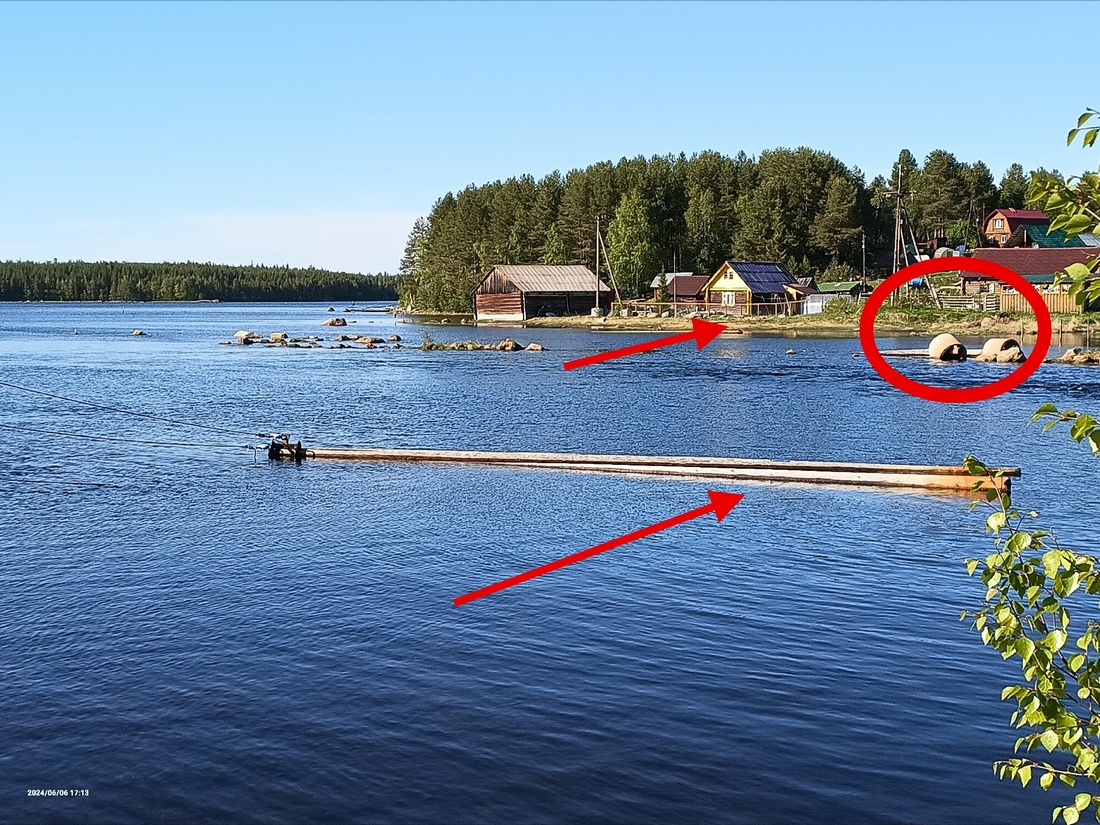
<point x="1041" y="235"/>
<point x="762" y="276"/>
<point x="1026" y="261"/>
<point x="545" y="278"/>
<point x="836" y="287"/>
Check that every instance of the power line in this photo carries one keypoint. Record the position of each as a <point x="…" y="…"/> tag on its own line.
<point x="127" y="440"/>
<point x="130" y="412"/>
<point x="58" y="481"/>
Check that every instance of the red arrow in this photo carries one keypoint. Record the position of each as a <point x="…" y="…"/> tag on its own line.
<point x="702" y="331"/>
<point x="720" y="505"/>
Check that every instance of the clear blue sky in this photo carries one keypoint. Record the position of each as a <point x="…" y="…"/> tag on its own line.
<point x="316" y="133"/>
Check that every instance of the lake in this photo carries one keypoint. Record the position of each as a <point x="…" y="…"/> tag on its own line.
<point x="192" y="634"/>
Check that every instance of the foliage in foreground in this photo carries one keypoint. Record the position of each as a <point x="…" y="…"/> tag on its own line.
<point x="1035" y="588"/>
<point x="1073" y="206"/>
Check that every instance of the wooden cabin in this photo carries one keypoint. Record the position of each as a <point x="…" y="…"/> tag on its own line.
<point x="518" y="292"/>
<point x="751" y="288"/>
<point x="682" y="287"/>
<point x="1038" y="266"/>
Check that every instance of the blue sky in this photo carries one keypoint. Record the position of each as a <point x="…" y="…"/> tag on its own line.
<point x="316" y="133"/>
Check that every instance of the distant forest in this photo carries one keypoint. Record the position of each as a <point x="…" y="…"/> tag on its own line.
<point x="801" y="207"/>
<point x="112" y="281"/>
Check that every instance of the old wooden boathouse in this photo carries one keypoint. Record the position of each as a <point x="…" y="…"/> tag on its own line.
<point x="519" y="292"/>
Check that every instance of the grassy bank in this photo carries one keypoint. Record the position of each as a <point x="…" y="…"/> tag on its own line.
<point x="921" y="320"/>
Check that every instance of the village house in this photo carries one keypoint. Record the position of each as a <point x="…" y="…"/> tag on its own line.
<point x="682" y="287"/>
<point x="1038" y="266"/>
<point x="1000" y="224"/>
<point x="516" y="293"/>
<point x="751" y="288"/>
<point x="1041" y="236"/>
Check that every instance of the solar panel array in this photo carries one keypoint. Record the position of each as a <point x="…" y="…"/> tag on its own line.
<point x="762" y="277"/>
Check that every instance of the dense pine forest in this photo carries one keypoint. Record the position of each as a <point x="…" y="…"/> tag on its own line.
<point x="802" y="207"/>
<point x="111" y="281"/>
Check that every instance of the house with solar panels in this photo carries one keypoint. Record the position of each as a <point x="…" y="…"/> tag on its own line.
<point x="752" y="288"/>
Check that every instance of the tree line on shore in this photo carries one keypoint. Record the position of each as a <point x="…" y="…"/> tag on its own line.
<point x="801" y="207"/>
<point x="118" y="281"/>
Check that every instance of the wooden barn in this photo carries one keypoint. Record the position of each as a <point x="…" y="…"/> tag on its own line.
<point x="519" y="292"/>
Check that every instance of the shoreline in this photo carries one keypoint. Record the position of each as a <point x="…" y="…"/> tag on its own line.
<point x="888" y="322"/>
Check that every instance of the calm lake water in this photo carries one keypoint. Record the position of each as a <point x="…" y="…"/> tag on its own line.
<point x="193" y="635"/>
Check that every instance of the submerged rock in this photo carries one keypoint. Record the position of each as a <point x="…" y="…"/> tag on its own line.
<point x="1012" y="355"/>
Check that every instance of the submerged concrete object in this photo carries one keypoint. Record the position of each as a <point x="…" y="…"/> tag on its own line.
<point x="946" y="347"/>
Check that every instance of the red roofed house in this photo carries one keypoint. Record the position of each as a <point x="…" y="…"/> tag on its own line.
<point x="1001" y="223"/>
<point x="682" y="286"/>
<point x="1038" y="266"/>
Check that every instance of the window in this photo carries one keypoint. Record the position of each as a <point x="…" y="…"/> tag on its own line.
<point x="1004" y="238"/>
<point x="728" y="298"/>
<point x="998" y="223"/>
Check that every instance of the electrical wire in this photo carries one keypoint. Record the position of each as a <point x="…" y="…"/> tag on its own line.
<point x="58" y="481"/>
<point x="131" y="412"/>
<point x="128" y="440"/>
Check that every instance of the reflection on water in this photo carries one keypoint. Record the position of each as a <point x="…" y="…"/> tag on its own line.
<point x="205" y="638"/>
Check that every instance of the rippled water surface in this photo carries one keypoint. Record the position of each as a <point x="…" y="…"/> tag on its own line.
<point x="196" y="636"/>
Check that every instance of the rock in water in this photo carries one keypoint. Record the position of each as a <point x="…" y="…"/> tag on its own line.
<point x="278" y="336"/>
<point x="138" y="332"/>
<point x="334" y="322"/>
<point x="534" y="348"/>
<point x="1012" y="355"/>
<point x="394" y="338"/>
<point x="245" y="336"/>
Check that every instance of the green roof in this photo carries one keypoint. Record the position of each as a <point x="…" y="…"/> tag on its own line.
<point x="837" y="286"/>
<point x="1039" y="279"/>
<point x="1042" y="236"/>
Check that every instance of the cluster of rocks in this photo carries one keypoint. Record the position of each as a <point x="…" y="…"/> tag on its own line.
<point x="1078" y="355"/>
<point x="368" y="341"/>
<point x="245" y="337"/>
<point x="507" y="345"/>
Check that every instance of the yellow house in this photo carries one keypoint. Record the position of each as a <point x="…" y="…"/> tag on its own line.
<point x="750" y="288"/>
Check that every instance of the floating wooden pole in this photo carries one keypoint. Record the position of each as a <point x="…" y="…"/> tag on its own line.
<point x="943" y="479"/>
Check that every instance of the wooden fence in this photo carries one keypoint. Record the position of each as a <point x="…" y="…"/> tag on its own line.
<point x="1055" y="301"/>
<point x="983" y="302"/>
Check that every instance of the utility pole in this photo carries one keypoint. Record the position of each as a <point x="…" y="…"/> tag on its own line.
<point x="863" y="245"/>
<point x="597" y="269"/>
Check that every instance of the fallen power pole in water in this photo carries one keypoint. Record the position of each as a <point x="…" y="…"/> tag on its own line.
<point x="902" y="476"/>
